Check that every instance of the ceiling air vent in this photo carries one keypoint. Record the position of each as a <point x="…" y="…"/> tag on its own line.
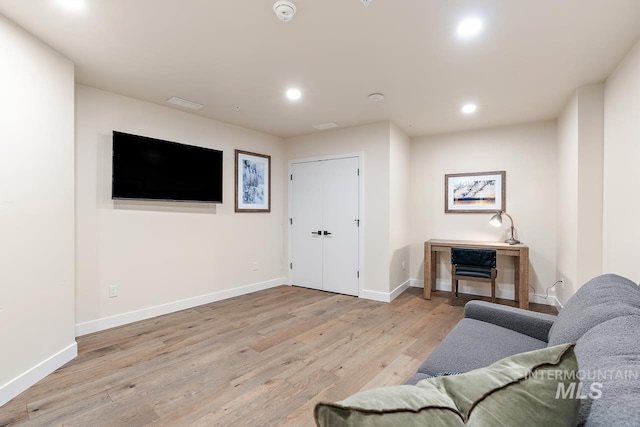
<point x="185" y="103"/>
<point x="325" y="126"/>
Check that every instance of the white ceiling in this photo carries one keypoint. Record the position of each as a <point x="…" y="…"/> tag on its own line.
<point x="523" y="67"/>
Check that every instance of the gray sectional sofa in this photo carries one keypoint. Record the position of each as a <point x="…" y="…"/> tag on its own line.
<point x="602" y="319"/>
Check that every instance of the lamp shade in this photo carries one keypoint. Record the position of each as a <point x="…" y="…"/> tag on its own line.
<point x="496" y="220"/>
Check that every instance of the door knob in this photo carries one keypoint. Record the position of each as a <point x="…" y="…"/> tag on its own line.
<point x="317" y="233"/>
<point x="326" y="233"/>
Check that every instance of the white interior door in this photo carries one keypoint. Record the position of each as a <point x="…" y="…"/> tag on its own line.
<point x="340" y="225"/>
<point x="306" y="227"/>
<point x="324" y="230"/>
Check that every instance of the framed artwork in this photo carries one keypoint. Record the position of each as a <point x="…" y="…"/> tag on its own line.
<point x="253" y="182"/>
<point x="481" y="192"/>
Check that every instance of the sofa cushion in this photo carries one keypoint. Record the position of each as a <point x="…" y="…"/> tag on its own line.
<point x="474" y="344"/>
<point x="609" y="360"/>
<point x="515" y="391"/>
<point x="531" y="323"/>
<point x="602" y="298"/>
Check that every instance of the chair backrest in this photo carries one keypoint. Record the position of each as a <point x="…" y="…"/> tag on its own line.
<point x="476" y="257"/>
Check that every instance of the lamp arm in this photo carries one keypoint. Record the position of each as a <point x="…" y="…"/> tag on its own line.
<point x="512" y="227"/>
<point x="510" y="218"/>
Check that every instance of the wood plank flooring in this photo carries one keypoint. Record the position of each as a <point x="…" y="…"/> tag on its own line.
<point x="263" y="359"/>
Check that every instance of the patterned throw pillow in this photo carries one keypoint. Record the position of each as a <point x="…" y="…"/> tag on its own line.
<point x="534" y="388"/>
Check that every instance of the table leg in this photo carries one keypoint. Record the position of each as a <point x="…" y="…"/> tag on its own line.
<point x="523" y="280"/>
<point x="429" y="270"/>
<point x="516" y="281"/>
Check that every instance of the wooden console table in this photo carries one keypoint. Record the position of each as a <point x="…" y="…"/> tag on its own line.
<point x="520" y="252"/>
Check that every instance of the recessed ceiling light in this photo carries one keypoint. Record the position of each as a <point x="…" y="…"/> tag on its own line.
<point x="469" y="108"/>
<point x="72" y="4"/>
<point x="376" y="97"/>
<point x="469" y="27"/>
<point x="294" y="94"/>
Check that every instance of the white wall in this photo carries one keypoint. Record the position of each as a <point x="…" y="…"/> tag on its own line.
<point x="399" y="213"/>
<point x="528" y="155"/>
<point x="621" y="230"/>
<point x="36" y="210"/>
<point x="590" y="178"/>
<point x="567" y="250"/>
<point x="580" y="150"/>
<point x="164" y="256"/>
<point x="373" y="141"/>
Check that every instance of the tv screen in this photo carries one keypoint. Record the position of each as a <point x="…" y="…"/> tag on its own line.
<point x="152" y="169"/>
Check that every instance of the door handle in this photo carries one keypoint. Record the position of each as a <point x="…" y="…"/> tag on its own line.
<point x="326" y="233"/>
<point x="317" y="233"/>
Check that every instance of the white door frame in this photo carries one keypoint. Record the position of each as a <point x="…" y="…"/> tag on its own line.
<point x="361" y="239"/>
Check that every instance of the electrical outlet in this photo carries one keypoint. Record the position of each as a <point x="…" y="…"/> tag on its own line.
<point x="255" y="265"/>
<point x="403" y="265"/>
<point x="113" y="291"/>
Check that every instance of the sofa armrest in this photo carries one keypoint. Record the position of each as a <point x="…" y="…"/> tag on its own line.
<point x="526" y="322"/>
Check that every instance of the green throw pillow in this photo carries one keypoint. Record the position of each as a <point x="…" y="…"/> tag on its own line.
<point x="534" y="388"/>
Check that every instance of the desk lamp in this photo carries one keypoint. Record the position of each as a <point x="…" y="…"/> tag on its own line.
<point x="496" y="221"/>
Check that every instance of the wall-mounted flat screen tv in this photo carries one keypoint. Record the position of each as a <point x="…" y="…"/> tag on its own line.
<point x="153" y="169"/>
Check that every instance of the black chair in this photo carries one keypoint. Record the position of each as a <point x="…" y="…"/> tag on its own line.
<point x="477" y="265"/>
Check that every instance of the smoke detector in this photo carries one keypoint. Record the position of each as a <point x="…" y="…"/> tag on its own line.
<point x="284" y="10"/>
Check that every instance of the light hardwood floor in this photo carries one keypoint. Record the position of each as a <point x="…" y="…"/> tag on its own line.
<point x="263" y="359"/>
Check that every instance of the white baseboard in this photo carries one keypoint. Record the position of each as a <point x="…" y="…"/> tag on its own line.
<point x="375" y="295"/>
<point x="385" y="296"/>
<point x="399" y="290"/>
<point x="550" y="300"/>
<point x="509" y="294"/>
<point x="21" y="383"/>
<point x="416" y="283"/>
<point x="159" y="310"/>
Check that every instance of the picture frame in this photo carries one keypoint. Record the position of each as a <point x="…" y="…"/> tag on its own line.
<point x="478" y="192"/>
<point x="252" y="182"/>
